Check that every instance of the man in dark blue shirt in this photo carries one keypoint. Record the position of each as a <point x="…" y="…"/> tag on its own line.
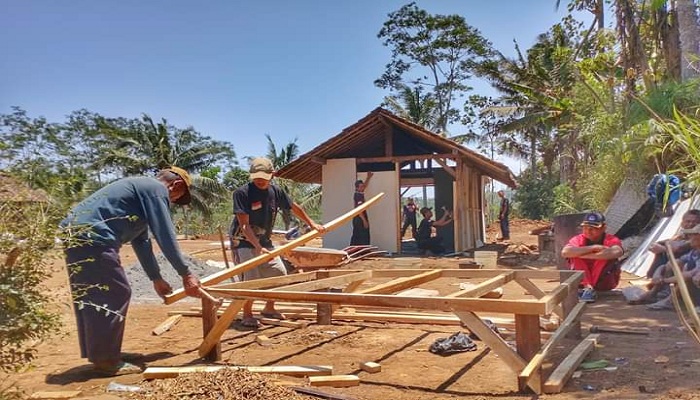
<point x="425" y="239"/>
<point x="255" y="207"/>
<point x="121" y="212"/>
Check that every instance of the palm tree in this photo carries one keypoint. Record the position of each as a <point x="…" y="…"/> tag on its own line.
<point x="412" y="105"/>
<point x="143" y="146"/>
<point x="309" y="196"/>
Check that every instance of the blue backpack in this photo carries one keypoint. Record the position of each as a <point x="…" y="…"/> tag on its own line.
<point x="657" y="187"/>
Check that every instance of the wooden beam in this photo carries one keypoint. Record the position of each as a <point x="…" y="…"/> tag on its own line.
<point x="318" y="160"/>
<point x="334" y="380"/>
<point x="533" y="367"/>
<point x="527" y="337"/>
<point x="209" y="308"/>
<point x="378" y="300"/>
<point x="55" y="395"/>
<point x="563" y="372"/>
<point x="394" y="159"/>
<point x="484" y="287"/>
<point x="556" y="296"/>
<point x="325" y="283"/>
<point x="446" y="168"/>
<point x="389" y="141"/>
<point x="491" y="338"/>
<point x="289" y="370"/>
<point x="266" y="283"/>
<point x="213" y="335"/>
<point x="403" y="283"/>
<point x="265" y="257"/>
<point x="538" y="293"/>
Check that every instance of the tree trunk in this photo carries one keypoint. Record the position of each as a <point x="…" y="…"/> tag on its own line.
<point x="670" y="43"/>
<point x="689" y="34"/>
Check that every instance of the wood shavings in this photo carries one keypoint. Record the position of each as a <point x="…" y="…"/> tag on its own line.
<point x="226" y="384"/>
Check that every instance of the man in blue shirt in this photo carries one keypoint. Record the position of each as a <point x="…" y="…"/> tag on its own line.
<point x="121" y="212"/>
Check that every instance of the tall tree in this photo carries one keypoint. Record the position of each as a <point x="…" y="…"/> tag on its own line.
<point x="689" y="35"/>
<point x="437" y="52"/>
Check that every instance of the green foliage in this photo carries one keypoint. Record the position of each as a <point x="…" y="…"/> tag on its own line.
<point x="27" y="231"/>
<point x="436" y="52"/>
<point x="678" y="145"/>
<point x="535" y="195"/>
<point x="564" y="200"/>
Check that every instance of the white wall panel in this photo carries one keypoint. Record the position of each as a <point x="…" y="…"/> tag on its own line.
<point x="338" y="188"/>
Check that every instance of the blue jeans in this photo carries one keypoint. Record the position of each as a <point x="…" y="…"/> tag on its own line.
<point x="505" y="229"/>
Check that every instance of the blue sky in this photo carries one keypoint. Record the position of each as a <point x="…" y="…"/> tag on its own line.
<point x="235" y="70"/>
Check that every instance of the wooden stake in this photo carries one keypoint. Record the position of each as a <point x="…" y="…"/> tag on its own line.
<point x="223" y="246"/>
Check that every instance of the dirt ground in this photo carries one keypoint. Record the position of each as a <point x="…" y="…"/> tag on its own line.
<point x="409" y="371"/>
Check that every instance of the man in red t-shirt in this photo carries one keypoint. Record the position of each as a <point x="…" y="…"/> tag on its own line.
<point x="596" y="253"/>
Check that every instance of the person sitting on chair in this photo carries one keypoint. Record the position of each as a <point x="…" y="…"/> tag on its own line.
<point x="425" y="240"/>
<point x="596" y="253"/>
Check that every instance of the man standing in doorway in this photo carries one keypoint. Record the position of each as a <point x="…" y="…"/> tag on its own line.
<point x="410" y="209"/>
<point x="503" y="213"/>
<point x="360" y="224"/>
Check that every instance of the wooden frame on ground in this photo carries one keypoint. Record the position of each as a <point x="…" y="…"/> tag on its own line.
<point x="525" y="361"/>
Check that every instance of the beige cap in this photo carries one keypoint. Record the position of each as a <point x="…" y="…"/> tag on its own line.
<point x="261" y="168"/>
<point x="185" y="198"/>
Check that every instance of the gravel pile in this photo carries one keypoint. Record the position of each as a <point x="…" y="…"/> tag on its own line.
<point x="226" y="384"/>
<point x="142" y="287"/>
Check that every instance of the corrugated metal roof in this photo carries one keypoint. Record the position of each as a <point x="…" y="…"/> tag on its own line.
<point x="367" y="138"/>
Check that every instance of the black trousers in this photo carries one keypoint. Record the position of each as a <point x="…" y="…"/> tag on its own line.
<point x="360" y="234"/>
<point x="101" y="295"/>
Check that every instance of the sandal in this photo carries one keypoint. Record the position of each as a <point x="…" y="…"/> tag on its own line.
<point x="273" y="315"/>
<point x="250" y="322"/>
<point x="121" y="368"/>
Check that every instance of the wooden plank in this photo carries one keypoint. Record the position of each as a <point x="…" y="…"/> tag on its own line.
<point x="556" y="296"/>
<point x="265" y="257"/>
<point x="484" y="287"/>
<point x="371" y="367"/>
<point x="335" y="380"/>
<point x="211" y="339"/>
<point x="378" y="300"/>
<point x="544" y="274"/>
<point x="495" y="342"/>
<point x="446" y="272"/>
<point x="403" y="283"/>
<point x="289" y="370"/>
<point x="563" y="372"/>
<point x="167" y="324"/>
<point x="535" y="363"/>
<point x="395" y="159"/>
<point x="538" y="293"/>
<point x="266" y="283"/>
<point x="325" y="283"/>
<point x="55" y="395"/>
